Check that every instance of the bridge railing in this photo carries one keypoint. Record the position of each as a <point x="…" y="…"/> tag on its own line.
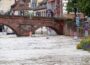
<point x="33" y="17"/>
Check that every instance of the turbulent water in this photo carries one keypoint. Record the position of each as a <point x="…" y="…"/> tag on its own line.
<point x="51" y="50"/>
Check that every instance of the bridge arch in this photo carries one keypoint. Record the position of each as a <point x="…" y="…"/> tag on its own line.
<point x="9" y="26"/>
<point x="48" y="28"/>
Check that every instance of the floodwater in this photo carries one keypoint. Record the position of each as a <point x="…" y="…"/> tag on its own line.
<point x="54" y="50"/>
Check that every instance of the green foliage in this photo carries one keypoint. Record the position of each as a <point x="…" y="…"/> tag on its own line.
<point x="82" y="5"/>
<point x="74" y="1"/>
<point x="84" y="44"/>
<point x="70" y="7"/>
<point x="78" y="46"/>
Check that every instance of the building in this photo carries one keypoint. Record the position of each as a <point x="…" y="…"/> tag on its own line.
<point x="56" y="7"/>
<point x="51" y="5"/>
<point x="21" y="7"/>
<point x="33" y="4"/>
<point x="41" y="8"/>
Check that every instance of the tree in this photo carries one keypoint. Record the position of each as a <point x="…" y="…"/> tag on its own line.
<point x="82" y="5"/>
<point x="72" y="6"/>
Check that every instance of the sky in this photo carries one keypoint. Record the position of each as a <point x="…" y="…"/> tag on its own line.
<point x="5" y="5"/>
<point x="39" y="0"/>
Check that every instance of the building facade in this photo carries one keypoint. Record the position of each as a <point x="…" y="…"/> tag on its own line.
<point x="33" y="4"/>
<point x="21" y="7"/>
<point x="41" y="9"/>
<point x="56" y="7"/>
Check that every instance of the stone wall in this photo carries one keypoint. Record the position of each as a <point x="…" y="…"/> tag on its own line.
<point x="69" y="31"/>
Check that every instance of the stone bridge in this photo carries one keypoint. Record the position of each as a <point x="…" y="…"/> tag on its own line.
<point x="23" y="25"/>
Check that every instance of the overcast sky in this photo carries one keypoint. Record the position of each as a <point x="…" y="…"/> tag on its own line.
<point x="5" y="4"/>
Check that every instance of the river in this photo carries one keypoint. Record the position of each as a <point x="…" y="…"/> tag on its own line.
<point x="54" y="50"/>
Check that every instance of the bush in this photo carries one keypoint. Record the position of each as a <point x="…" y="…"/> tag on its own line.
<point x="84" y="44"/>
<point x="78" y="46"/>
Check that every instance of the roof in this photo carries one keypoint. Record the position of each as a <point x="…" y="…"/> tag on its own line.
<point x="18" y="6"/>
